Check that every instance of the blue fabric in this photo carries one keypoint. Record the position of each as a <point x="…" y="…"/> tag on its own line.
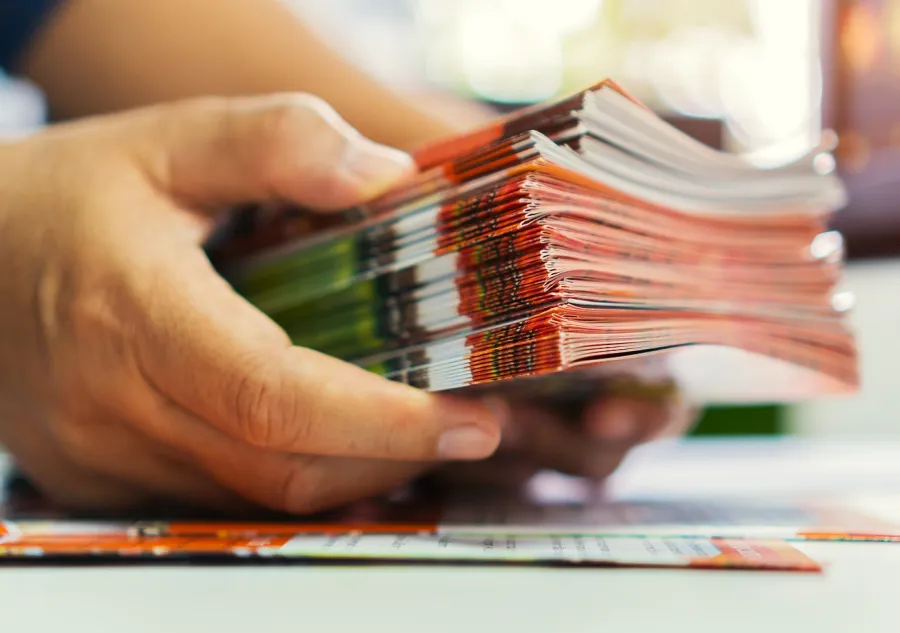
<point x="19" y="20"/>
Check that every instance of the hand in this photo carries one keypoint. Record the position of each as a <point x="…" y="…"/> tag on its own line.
<point x="592" y="446"/>
<point x="131" y="372"/>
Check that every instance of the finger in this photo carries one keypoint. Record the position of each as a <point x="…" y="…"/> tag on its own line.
<point x="114" y="450"/>
<point x="210" y="351"/>
<point x="88" y="494"/>
<point x="82" y="492"/>
<point x="502" y="471"/>
<point x="286" y="147"/>
<point x="559" y="446"/>
<point x="74" y="489"/>
<point x="42" y="460"/>
<point x="329" y="482"/>
<point x="298" y="484"/>
<point x="624" y="419"/>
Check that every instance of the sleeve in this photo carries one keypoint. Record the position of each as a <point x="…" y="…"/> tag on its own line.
<point x="19" y="21"/>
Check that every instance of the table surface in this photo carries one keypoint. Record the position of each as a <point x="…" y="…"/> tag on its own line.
<point x="855" y="593"/>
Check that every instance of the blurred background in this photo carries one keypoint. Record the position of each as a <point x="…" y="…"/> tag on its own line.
<point x="768" y="78"/>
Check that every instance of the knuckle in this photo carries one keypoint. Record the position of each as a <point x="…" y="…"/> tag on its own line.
<point x="268" y="413"/>
<point x="299" y="120"/>
<point x="103" y="336"/>
<point x="281" y="124"/>
<point x="316" y="107"/>
<point x="302" y="129"/>
<point x="252" y="397"/>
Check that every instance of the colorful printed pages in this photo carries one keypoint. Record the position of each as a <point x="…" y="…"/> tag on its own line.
<point x="108" y="542"/>
<point x="558" y="520"/>
<point x="582" y="239"/>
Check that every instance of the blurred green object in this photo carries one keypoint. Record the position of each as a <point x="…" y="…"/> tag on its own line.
<point x="746" y="420"/>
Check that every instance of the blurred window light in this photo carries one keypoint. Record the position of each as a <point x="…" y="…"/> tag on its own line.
<point x="862" y="39"/>
<point x="23" y="109"/>
<point x="752" y="63"/>
<point x="893" y="24"/>
<point x="755" y="64"/>
<point x="505" y="50"/>
<point x="379" y="36"/>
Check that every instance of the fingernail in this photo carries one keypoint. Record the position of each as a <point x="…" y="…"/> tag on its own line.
<point x="376" y="167"/>
<point x="466" y="442"/>
<point x="472" y="429"/>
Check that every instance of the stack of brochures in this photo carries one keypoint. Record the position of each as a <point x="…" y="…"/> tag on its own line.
<point x="564" y="243"/>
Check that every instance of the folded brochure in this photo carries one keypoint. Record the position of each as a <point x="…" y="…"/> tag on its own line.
<point x="73" y="541"/>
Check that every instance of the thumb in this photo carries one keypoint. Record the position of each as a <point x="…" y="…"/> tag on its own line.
<point x="214" y="355"/>
<point x="209" y="352"/>
<point x="290" y="148"/>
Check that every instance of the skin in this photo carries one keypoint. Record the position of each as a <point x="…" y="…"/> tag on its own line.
<point x="100" y="56"/>
<point x="130" y="371"/>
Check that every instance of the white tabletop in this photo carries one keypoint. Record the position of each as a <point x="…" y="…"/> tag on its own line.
<point x="855" y="593"/>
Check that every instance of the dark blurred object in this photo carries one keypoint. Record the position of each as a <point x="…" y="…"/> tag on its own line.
<point x="861" y="103"/>
<point x="710" y="132"/>
<point x="753" y="420"/>
<point x="19" y="498"/>
<point x="18" y="484"/>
